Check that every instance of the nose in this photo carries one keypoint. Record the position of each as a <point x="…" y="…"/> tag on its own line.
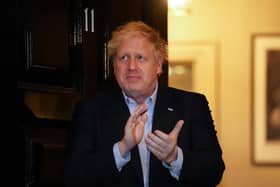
<point x="132" y="64"/>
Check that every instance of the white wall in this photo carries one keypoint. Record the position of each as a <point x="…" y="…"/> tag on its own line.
<point x="229" y="24"/>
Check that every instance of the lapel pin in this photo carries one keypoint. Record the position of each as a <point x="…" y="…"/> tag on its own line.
<point x="170" y="109"/>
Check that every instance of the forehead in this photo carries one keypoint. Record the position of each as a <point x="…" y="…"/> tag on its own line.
<point x="135" y="43"/>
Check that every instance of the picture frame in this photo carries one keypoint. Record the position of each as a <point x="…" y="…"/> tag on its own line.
<point x="201" y="59"/>
<point x="266" y="99"/>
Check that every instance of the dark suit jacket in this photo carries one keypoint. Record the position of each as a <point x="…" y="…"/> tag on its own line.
<point x="99" y="123"/>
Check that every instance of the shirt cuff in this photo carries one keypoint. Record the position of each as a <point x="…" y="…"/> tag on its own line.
<point x="119" y="160"/>
<point x="176" y="165"/>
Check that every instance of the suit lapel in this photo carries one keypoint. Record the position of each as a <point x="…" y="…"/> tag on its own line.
<point x="164" y="112"/>
<point x="165" y="118"/>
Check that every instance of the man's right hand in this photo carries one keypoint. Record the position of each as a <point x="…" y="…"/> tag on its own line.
<point x="134" y="129"/>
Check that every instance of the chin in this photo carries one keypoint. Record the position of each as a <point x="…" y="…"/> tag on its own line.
<point x="133" y="91"/>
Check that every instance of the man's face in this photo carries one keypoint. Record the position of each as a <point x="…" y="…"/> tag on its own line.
<point x="136" y="67"/>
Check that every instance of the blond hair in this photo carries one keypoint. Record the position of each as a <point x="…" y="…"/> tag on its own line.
<point x="133" y="29"/>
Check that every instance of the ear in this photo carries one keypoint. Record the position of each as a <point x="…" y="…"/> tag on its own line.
<point x="159" y="68"/>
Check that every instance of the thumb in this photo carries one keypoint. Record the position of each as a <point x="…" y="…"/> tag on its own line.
<point x="176" y="130"/>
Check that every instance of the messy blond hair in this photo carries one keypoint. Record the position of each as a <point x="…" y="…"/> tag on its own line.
<point x="137" y="28"/>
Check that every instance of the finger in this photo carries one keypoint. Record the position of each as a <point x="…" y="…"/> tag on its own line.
<point x="155" y="152"/>
<point x="144" y="117"/>
<point x="140" y="123"/>
<point x="153" y="146"/>
<point x="140" y="110"/>
<point x="155" y="142"/>
<point x="130" y="120"/>
<point x="176" y="130"/>
<point x="137" y="112"/>
<point x="161" y="135"/>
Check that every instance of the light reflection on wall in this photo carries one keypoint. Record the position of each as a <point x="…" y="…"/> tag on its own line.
<point x="180" y="75"/>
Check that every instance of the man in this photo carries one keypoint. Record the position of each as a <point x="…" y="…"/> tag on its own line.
<point x="143" y="135"/>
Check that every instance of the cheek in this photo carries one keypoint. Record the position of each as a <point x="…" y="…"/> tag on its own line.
<point x="117" y="69"/>
<point x="151" y="73"/>
<point x="119" y="73"/>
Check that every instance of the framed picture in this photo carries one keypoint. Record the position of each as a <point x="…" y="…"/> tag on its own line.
<point x="266" y="99"/>
<point x="193" y="65"/>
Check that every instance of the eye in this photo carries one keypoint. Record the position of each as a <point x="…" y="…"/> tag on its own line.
<point x="140" y="58"/>
<point x="124" y="58"/>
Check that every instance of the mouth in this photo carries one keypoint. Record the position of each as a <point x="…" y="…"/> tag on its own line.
<point x="133" y="77"/>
